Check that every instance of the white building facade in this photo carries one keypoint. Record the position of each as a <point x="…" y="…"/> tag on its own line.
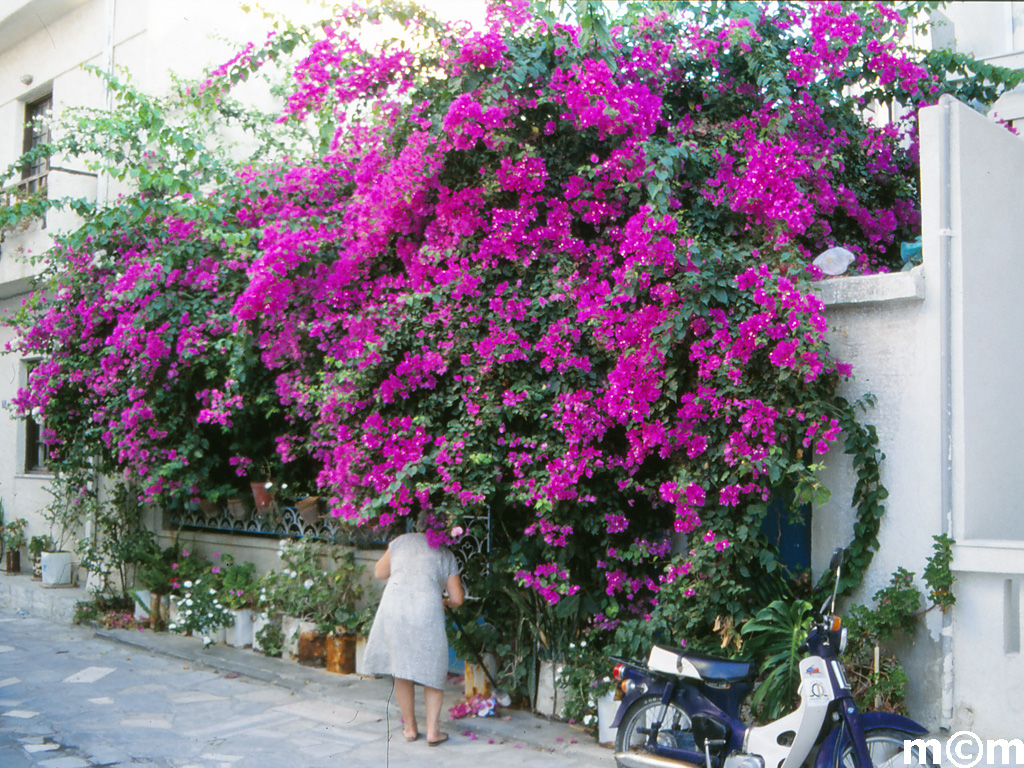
<point x="45" y="49"/>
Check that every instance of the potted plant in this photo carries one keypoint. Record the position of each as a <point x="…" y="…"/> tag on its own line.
<point x="309" y="591"/>
<point x="14" y="540"/>
<point x="340" y="651"/>
<point x="155" y="572"/>
<point x="237" y="588"/>
<point x="267" y="615"/>
<point x="200" y="611"/>
<point x="309" y="509"/>
<point x="264" y="494"/>
<point x="36" y="546"/>
<point x="587" y="692"/>
<point x="72" y="501"/>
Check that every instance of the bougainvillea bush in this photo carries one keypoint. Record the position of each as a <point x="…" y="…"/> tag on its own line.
<point x="554" y="274"/>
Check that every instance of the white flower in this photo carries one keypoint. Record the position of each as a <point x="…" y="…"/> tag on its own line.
<point x="188" y="585"/>
<point x="307" y="583"/>
<point x="588" y="720"/>
<point x="188" y="601"/>
<point x="213" y="591"/>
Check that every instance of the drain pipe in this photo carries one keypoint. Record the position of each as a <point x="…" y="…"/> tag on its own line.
<point x="110" y="17"/>
<point x="103" y="194"/>
<point x="946" y="235"/>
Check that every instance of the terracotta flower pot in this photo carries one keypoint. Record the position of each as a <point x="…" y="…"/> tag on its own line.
<point x="309" y="509"/>
<point x="209" y="508"/>
<point x="237" y="509"/>
<point x="263" y="497"/>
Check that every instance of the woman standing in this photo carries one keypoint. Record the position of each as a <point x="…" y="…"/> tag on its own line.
<point x="408" y="638"/>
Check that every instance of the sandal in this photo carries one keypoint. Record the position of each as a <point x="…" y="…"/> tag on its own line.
<point x="439" y="740"/>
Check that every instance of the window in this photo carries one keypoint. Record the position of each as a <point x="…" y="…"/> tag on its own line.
<point x="37" y="454"/>
<point x="33" y="174"/>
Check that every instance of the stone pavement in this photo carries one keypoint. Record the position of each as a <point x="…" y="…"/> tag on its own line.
<point x="77" y="697"/>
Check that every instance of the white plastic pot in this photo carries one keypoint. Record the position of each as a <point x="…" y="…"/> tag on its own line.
<point x="143" y="601"/>
<point x="550" y="698"/>
<point x="240" y="634"/>
<point x="607" y="708"/>
<point x="56" y="568"/>
<point x="360" y="655"/>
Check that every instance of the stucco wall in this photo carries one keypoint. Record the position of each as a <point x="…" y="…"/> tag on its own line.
<point x="939" y="348"/>
<point x="23" y="495"/>
<point x="885" y="326"/>
<point x="985" y="228"/>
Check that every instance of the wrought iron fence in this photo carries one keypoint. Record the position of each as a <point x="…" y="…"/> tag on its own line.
<point x="307" y="519"/>
<point x="288" y="521"/>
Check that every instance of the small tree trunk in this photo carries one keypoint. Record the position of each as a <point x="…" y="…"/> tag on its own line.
<point x="156" y="619"/>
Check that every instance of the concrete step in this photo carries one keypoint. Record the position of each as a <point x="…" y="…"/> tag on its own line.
<point x="19" y="592"/>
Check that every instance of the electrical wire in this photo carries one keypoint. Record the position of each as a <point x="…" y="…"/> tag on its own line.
<point x="387" y="721"/>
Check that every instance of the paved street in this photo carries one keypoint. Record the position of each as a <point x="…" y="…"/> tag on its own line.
<point x="73" y="697"/>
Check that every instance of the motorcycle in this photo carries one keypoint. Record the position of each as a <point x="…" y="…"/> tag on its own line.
<point x="682" y="710"/>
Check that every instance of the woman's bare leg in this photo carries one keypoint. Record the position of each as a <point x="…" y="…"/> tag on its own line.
<point x="432" y="698"/>
<point x="405" y="696"/>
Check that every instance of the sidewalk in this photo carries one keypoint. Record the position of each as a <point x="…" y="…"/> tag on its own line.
<point x="366" y="694"/>
<point x="372" y="696"/>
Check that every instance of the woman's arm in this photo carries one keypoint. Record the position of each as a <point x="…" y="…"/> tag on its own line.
<point x="456" y="595"/>
<point x="382" y="568"/>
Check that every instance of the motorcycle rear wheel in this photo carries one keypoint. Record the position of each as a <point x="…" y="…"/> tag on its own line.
<point x="885" y="747"/>
<point x="675" y="730"/>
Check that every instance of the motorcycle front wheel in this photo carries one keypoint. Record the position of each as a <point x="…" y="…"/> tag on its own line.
<point x="636" y="727"/>
<point x="885" y="747"/>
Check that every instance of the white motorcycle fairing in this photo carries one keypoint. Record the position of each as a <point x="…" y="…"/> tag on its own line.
<point x="799" y="729"/>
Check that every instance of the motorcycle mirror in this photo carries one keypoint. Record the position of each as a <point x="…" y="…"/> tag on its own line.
<point x="837" y="559"/>
<point x="835" y="564"/>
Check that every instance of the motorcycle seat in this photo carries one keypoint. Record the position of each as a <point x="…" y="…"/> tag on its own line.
<point x="710" y="668"/>
<point x="722" y="670"/>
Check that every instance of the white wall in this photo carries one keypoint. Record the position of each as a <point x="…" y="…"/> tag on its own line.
<point x="940" y="348"/>
<point x="885" y="326"/>
<point x="23" y="495"/>
<point x="985" y="217"/>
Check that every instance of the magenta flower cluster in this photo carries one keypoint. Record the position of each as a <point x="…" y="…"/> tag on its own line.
<point x="569" y="282"/>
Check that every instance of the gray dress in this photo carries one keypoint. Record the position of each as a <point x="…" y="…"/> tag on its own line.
<point x="407" y="639"/>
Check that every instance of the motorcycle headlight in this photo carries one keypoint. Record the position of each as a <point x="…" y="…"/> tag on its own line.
<point x="843" y="637"/>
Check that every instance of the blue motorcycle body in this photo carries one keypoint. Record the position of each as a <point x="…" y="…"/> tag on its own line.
<point x="684" y="709"/>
